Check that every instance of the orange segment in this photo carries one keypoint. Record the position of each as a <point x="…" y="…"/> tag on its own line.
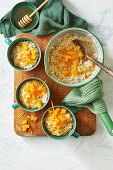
<point x="34" y="118"/>
<point x="40" y="104"/>
<point x="33" y="56"/>
<point x="24" y="122"/>
<point x="33" y="52"/>
<point x="25" y="127"/>
<point x="25" y="47"/>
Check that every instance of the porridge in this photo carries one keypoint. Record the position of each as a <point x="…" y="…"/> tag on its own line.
<point x="66" y="62"/>
<point x="59" y="122"/>
<point x="33" y="94"/>
<point x="25" y="55"/>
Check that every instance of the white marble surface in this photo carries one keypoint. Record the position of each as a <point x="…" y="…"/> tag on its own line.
<point x="42" y="153"/>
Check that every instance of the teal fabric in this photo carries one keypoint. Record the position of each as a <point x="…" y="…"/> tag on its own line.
<point x="88" y="96"/>
<point x="54" y="17"/>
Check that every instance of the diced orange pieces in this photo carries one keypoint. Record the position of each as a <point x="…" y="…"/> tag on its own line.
<point x="81" y="54"/>
<point x="33" y="52"/>
<point x="56" y="111"/>
<point x="24" y="122"/>
<point x="34" y="90"/>
<point x="25" y="127"/>
<point x="50" y="111"/>
<point x="34" y="118"/>
<point x="28" y="96"/>
<point x="40" y="104"/>
<point x="28" y="104"/>
<point x="75" y="72"/>
<point x="67" y="57"/>
<point x="29" y="54"/>
<point x="33" y="56"/>
<point x="31" y="88"/>
<point x="28" y="61"/>
<point x="63" y="110"/>
<point x="70" y="58"/>
<point x="33" y="96"/>
<point x="65" y="72"/>
<point x="25" y="47"/>
<point x="28" y="117"/>
<point x="25" y="88"/>
<point x="57" y="117"/>
<point x="73" y="52"/>
<point x="31" y="85"/>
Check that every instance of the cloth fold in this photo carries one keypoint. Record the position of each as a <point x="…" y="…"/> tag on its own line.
<point x="88" y="96"/>
<point x="54" y="17"/>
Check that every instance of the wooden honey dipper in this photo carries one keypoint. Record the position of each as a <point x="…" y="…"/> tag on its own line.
<point x="28" y="18"/>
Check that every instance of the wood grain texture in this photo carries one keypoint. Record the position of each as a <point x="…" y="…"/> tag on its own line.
<point x="86" y="120"/>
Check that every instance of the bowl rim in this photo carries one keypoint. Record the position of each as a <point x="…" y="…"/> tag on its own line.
<point x="26" y="30"/>
<point x="58" y="137"/>
<point x="17" y="94"/>
<point x="57" y="81"/>
<point x="38" y="48"/>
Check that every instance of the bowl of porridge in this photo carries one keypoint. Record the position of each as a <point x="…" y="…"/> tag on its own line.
<point x="32" y="94"/>
<point x="64" y="59"/>
<point x="23" y="54"/>
<point x="58" y="122"/>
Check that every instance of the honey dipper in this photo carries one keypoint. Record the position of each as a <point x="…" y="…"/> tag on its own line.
<point x="28" y="18"/>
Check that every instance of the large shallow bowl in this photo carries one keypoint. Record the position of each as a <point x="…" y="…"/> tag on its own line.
<point x="98" y="49"/>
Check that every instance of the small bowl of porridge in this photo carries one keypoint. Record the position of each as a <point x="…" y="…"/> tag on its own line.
<point x="64" y="60"/>
<point x="58" y="122"/>
<point x="23" y="54"/>
<point x="32" y="95"/>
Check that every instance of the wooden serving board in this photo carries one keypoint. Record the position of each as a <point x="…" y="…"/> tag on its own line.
<point x="86" y="120"/>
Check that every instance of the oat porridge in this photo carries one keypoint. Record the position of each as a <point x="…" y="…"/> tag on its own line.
<point x="65" y="61"/>
<point x="33" y="94"/>
<point x="25" y="55"/>
<point x="59" y="122"/>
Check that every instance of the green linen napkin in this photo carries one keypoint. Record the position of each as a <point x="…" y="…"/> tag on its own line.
<point x="88" y="96"/>
<point x="54" y="17"/>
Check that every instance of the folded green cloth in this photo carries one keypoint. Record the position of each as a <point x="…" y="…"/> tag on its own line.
<point x="54" y="17"/>
<point x="88" y="96"/>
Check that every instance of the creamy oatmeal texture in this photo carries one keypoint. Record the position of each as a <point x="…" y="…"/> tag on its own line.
<point x="25" y="55"/>
<point x="59" y="122"/>
<point x="33" y="94"/>
<point x="66" y="60"/>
